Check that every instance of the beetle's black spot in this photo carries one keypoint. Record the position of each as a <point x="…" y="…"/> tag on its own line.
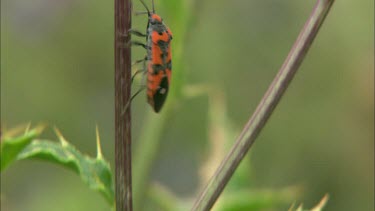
<point x="162" y="43"/>
<point x="169" y="65"/>
<point x="161" y="94"/>
<point x="156" y="68"/>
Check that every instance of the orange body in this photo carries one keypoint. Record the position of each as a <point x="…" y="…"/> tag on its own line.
<point x="159" y="62"/>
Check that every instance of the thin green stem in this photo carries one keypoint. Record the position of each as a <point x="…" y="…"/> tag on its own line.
<point x="265" y="108"/>
<point x="145" y="154"/>
<point x="123" y="171"/>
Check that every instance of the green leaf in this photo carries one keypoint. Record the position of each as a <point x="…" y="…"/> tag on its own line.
<point x="10" y="147"/>
<point x="95" y="172"/>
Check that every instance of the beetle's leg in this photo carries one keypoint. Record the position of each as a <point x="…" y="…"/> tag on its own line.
<point x="139" y="61"/>
<point x="141" y="13"/>
<point x="137" y="33"/>
<point x="137" y="43"/>
<point x="142" y="87"/>
<point x="143" y="71"/>
<point x="131" y="99"/>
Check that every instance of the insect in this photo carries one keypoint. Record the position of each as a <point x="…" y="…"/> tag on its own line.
<point x="158" y="61"/>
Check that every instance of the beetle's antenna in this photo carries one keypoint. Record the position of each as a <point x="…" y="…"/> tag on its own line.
<point x="144" y="4"/>
<point x="153" y="7"/>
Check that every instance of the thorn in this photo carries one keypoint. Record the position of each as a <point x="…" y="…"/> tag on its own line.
<point x="28" y="127"/>
<point x="322" y="203"/>
<point x="60" y="136"/>
<point x="300" y="207"/>
<point x="292" y="206"/>
<point x="98" y="146"/>
<point x="39" y="129"/>
<point x="12" y="131"/>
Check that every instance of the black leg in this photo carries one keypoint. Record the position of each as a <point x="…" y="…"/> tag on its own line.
<point x="137" y="43"/>
<point x="139" y="61"/>
<point x="137" y="33"/>
<point x="137" y="72"/>
<point x="131" y="99"/>
<point x="141" y="13"/>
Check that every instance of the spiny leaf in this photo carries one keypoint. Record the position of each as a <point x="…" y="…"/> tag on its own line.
<point x="10" y="147"/>
<point x="95" y="172"/>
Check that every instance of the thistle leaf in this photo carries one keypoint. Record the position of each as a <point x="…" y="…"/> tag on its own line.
<point x="95" y="172"/>
<point x="11" y="146"/>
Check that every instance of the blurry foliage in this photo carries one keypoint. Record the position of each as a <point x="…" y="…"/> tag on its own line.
<point x="57" y="66"/>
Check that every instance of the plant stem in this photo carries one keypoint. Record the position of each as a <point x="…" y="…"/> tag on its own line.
<point x="123" y="175"/>
<point x="264" y="110"/>
<point x="147" y="151"/>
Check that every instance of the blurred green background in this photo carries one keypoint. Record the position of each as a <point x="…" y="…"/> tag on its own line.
<point x="57" y="67"/>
